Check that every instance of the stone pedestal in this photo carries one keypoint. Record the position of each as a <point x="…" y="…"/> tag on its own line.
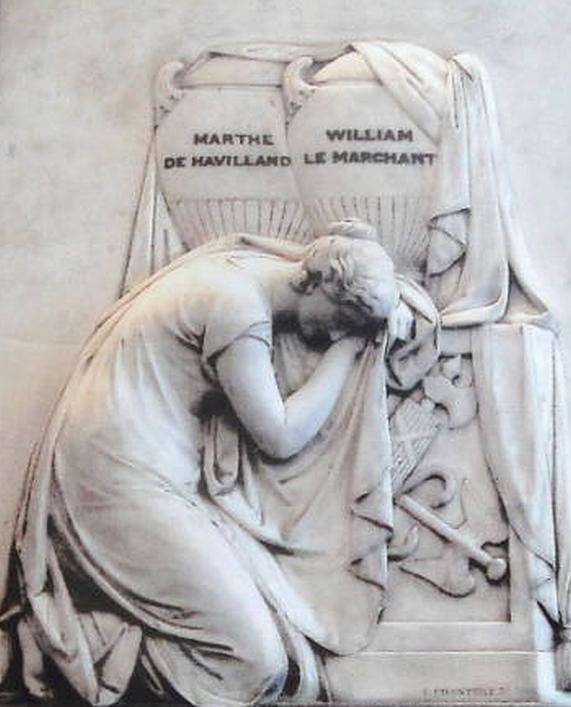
<point x="457" y="662"/>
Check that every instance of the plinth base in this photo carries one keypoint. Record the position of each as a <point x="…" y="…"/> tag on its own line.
<point x="446" y="678"/>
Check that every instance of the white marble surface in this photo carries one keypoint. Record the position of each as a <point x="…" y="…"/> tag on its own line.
<point x="75" y="86"/>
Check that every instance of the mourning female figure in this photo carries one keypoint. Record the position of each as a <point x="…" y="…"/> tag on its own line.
<point x="153" y="516"/>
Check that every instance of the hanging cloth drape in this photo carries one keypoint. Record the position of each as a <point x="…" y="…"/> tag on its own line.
<point x="517" y="363"/>
<point x="521" y="393"/>
<point x="472" y="215"/>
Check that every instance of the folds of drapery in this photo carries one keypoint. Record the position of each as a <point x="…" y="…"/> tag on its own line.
<point x="472" y="217"/>
<point x="473" y="212"/>
<point x="327" y="512"/>
<point x="300" y="534"/>
<point x="517" y="363"/>
<point x="154" y="242"/>
<point x="522" y="406"/>
<point x="96" y="652"/>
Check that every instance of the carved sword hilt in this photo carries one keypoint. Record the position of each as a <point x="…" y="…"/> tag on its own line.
<point x="495" y="567"/>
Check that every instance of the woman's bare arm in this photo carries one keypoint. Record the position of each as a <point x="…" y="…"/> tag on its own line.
<point x="281" y="429"/>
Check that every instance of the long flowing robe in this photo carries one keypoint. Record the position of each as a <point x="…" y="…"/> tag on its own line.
<point x="127" y="460"/>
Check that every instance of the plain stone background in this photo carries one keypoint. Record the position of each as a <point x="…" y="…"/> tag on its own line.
<point x="75" y="121"/>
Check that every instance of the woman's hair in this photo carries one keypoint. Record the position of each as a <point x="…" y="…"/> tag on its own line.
<point x="352" y="269"/>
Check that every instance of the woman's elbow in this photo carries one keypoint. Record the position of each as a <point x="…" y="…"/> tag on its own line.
<point x="279" y="446"/>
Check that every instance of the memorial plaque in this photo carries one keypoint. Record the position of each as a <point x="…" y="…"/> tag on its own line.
<point x="315" y="449"/>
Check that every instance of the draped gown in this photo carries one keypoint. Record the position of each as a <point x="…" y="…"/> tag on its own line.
<point x="154" y="532"/>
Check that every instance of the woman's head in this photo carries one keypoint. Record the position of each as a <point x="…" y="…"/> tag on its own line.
<point x="347" y="280"/>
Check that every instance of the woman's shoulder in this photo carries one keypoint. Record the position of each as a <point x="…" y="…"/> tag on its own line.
<point x="216" y="275"/>
<point x="231" y="279"/>
<point x="237" y="307"/>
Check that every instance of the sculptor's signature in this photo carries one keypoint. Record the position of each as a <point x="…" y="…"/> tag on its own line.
<point x="438" y="693"/>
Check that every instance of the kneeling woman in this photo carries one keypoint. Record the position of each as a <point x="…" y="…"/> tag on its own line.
<point x="123" y="555"/>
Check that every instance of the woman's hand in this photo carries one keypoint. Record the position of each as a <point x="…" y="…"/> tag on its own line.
<point x="282" y="428"/>
<point x="400" y="322"/>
